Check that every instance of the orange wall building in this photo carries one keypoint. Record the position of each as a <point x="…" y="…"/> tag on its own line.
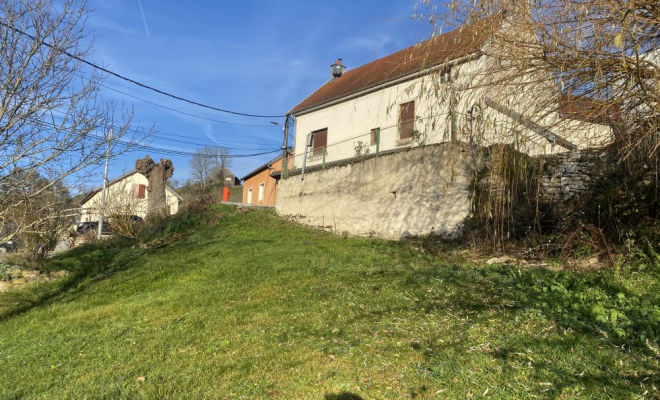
<point x="259" y="187"/>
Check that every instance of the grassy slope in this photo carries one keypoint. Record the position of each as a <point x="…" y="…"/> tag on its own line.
<point x="257" y="307"/>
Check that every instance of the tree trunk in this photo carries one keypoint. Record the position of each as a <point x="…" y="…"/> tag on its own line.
<point x="157" y="175"/>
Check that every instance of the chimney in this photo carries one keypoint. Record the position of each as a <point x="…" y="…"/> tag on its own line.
<point x="337" y="69"/>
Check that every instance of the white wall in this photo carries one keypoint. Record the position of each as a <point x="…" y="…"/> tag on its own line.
<point x="351" y="121"/>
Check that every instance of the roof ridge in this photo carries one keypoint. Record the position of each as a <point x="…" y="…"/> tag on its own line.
<point x="422" y="55"/>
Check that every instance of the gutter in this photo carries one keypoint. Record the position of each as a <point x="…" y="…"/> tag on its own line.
<point x="392" y="82"/>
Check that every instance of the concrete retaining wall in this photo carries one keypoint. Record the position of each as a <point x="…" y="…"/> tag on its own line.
<point x="414" y="192"/>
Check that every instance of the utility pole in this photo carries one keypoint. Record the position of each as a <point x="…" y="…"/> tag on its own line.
<point x="285" y="147"/>
<point x="105" y="182"/>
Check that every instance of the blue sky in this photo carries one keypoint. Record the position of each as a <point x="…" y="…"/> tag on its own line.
<point x="258" y="57"/>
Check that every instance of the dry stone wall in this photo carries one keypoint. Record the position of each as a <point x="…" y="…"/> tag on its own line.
<point x="568" y="175"/>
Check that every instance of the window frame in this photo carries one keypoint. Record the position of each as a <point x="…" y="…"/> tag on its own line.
<point x="318" y="151"/>
<point x="408" y="126"/>
<point x="139" y="191"/>
<point x="373" y="136"/>
<point x="262" y="192"/>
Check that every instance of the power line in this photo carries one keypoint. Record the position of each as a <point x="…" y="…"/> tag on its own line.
<point x="136" y="146"/>
<point x="178" y="111"/>
<point x="207" y="144"/>
<point x="211" y="142"/>
<point x="82" y="60"/>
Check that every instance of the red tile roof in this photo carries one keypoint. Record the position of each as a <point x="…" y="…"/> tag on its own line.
<point x="449" y="46"/>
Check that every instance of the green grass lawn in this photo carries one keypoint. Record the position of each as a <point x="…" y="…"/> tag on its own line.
<point x="248" y="305"/>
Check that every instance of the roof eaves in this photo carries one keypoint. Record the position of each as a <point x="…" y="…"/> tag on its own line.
<point x="177" y="195"/>
<point x="261" y="168"/>
<point x="378" y="84"/>
<point x="112" y="182"/>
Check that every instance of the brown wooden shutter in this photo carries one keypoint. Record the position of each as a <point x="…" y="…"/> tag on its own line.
<point x="320" y="141"/>
<point x="406" y="120"/>
<point x="373" y="135"/>
<point x="142" y="191"/>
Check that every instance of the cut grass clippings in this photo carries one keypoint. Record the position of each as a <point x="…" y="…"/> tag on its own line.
<point x="256" y="307"/>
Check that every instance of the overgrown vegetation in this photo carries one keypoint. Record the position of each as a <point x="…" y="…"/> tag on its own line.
<point x="193" y="192"/>
<point x="231" y="303"/>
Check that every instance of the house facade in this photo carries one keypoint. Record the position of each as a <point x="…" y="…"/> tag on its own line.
<point x="394" y="147"/>
<point x="260" y="186"/>
<point x="230" y="178"/>
<point x="127" y="195"/>
<point x="434" y="92"/>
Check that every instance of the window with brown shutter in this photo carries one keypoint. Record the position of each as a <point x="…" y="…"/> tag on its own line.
<point x="139" y="191"/>
<point x="406" y="120"/>
<point x="374" y="134"/>
<point x="319" y="141"/>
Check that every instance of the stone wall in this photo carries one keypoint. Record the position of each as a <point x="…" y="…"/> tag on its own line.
<point x="568" y="175"/>
<point x="424" y="189"/>
<point x="414" y="192"/>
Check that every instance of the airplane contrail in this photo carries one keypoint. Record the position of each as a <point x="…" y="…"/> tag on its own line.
<point x="144" y="18"/>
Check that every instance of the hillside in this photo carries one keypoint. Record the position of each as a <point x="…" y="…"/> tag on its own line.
<point x="243" y="304"/>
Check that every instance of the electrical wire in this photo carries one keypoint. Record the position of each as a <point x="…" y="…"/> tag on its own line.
<point x="145" y="86"/>
<point x="135" y="146"/>
<point x="164" y="136"/>
<point x="131" y="147"/>
<point x="207" y="144"/>
<point x="200" y="141"/>
<point x="179" y="111"/>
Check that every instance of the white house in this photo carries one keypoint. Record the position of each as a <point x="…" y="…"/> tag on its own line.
<point x="126" y="194"/>
<point x="429" y="110"/>
<point x="436" y="91"/>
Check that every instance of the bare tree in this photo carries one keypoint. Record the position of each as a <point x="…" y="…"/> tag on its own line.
<point x="550" y="76"/>
<point x="46" y="217"/>
<point x="52" y="118"/>
<point x="209" y="163"/>
<point x="224" y="161"/>
<point x="569" y="65"/>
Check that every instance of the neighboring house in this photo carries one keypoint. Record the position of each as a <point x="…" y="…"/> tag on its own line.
<point x="127" y="194"/>
<point x="231" y="179"/>
<point x="260" y="185"/>
<point x="428" y="94"/>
